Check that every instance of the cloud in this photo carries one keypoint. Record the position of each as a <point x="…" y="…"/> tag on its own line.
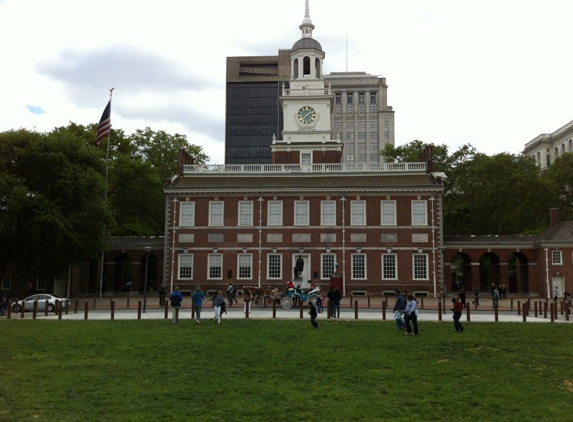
<point x="31" y="108"/>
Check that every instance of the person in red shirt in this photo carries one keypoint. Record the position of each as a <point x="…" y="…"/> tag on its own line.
<point x="457" y="308"/>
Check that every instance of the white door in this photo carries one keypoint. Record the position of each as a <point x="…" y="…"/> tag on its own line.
<point x="557" y="282"/>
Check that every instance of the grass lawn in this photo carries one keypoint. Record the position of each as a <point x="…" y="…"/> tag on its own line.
<point x="274" y="370"/>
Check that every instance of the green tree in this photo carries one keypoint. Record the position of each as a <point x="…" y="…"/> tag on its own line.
<point x="51" y="207"/>
<point x="500" y="194"/>
<point x="161" y="150"/>
<point x="559" y="176"/>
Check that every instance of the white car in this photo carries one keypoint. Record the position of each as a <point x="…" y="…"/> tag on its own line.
<point x="41" y="298"/>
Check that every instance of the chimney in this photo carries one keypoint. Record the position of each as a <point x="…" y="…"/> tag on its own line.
<point x="553" y="216"/>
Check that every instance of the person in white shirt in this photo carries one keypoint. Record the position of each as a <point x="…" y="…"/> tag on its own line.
<point x="411" y="314"/>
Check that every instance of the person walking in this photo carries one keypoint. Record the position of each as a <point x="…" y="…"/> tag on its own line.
<point x="3" y="304"/>
<point x="313" y="315"/>
<point x="336" y="298"/>
<point x="176" y="298"/>
<point x="218" y="299"/>
<point x="463" y="297"/>
<point x="411" y="314"/>
<point x="162" y="294"/>
<point x="567" y="299"/>
<point x="398" y="310"/>
<point x="476" y="295"/>
<point x="496" y="296"/>
<point x="555" y="294"/>
<point x="198" y="298"/>
<point x="319" y="307"/>
<point x="231" y="293"/>
<point x="457" y="308"/>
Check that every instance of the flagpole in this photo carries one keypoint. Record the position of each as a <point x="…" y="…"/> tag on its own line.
<point x="105" y="198"/>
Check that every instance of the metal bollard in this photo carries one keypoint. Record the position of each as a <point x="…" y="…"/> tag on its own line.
<point x="23" y="309"/>
<point x="247" y="303"/>
<point x="518" y="307"/>
<point x="274" y="309"/>
<point x="439" y="311"/>
<point x="468" y="313"/>
<point x="525" y="312"/>
<point x="368" y="302"/>
<point x="355" y="309"/>
<point x="35" y="309"/>
<point x="112" y="307"/>
<point x="139" y="309"/>
<point x="59" y="309"/>
<point x="86" y="306"/>
<point x="95" y="298"/>
<point x="496" y="311"/>
<point x="383" y="310"/>
<point x="46" y="308"/>
<point x="551" y="308"/>
<point x="301" y="308"/>
<point x="166" y="310"/>
<point x="76" y="305"/>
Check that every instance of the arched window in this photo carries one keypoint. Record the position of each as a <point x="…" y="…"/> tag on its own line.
<point x="295" y="68"/>
<point x="306" y="66"/>
<point x="556" y="153"/>
<point x="563" y="148"/>
<point x="570" y="147"/>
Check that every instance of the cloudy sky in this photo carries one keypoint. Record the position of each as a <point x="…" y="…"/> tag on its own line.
<point x="491" y="73"/>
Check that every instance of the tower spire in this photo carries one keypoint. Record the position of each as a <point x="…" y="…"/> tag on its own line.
<point x="306" y="27"/>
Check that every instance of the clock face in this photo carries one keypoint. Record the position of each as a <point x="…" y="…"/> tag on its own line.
<point x="306" y="115"/>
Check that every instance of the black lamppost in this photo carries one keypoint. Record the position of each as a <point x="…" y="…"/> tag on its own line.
<point x="147" y="249"/>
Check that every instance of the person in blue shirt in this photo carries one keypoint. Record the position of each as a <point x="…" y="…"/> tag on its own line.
<point x="176" y="298"/>
<point x="411" y="314"/>
<point x="218" y="300"/>
<point x="198" y="298"/>
<point x="399" y="308"/>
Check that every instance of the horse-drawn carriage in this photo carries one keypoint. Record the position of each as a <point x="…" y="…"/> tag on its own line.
<point x="265" y="296"/>
<point x="291" y="297"/>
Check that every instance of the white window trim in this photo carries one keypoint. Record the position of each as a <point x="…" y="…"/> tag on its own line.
<point x="209" y="265"/>
<point x="179" y="259"/>
<point x="322" y="210"/>
<point x="211" y="203"/>
<point x="269" y="266"/>
<point x="250" y="256"/>
<point x="426" y="256"/>
<point x="396" y="266"/>
<point x="307" y="223"/>
<point x="559" y="256"/>
<point x="239" y="223"/>
<point x="382" y="213"/>
<point x="352" y="266"/>
<point x="181" y="214"/>
<point x="354" y="204"/>
<point x="420" y="201"/>
<point x="269" y="206"/>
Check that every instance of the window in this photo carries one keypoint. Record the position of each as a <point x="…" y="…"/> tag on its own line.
<point x="328" y="213"/>
<point x="328" y="265"/>
<point x="374" y="158"/>
<point x="350" y="145"/>
<point x="301" y="209"/>
<point x="245" y="264"/>
<point x="358" y="266"/>
<point x="349" y="99"/>
<point x="6" y="282"/>
<point x="358" y="213"/>
<point x="556" y="258"/>
<point x="185" y="266"/>
<point x="361" y="135"/>
<point x="361" y="109"/>
<point x="349" y="136"/>
<point x="373" y="135"/>
<point x="274" y="269"/>
<point x="337" y="125"/>
<point x="420" y="270"/>
<point x="338" y="98"/>
<point x="275" y="214"/>
<point x="216" y="213"/>
<point x="187" y="216"/>
<point x="419" y="213"/>
<point x="389" y="267"/>
<point x="349" y="158"/>
<point x="361" y="98"/>
<point x="245" y="213"/>
<point x="388" y="213"/>
<point x="306" y="158"/>
<point x="373" y="97"/>
<point x="361" y="158"/>
<point x="42" y="283"/>
<point x="215" y="266"/>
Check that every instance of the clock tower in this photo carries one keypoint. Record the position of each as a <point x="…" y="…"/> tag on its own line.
<point x="306" y="106"/>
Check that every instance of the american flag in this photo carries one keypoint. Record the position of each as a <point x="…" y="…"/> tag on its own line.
<point x="104" y="125"/>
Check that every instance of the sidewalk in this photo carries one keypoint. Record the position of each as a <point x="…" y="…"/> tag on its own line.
<point x="428" y="311"/>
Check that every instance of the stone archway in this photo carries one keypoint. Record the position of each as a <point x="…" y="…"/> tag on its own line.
<point x="460" y="272"/>
<point x="489" y="271"/>
<point x="518" y="273"/>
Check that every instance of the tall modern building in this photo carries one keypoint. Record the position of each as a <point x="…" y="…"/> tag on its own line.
<point x="360" y="116"/>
